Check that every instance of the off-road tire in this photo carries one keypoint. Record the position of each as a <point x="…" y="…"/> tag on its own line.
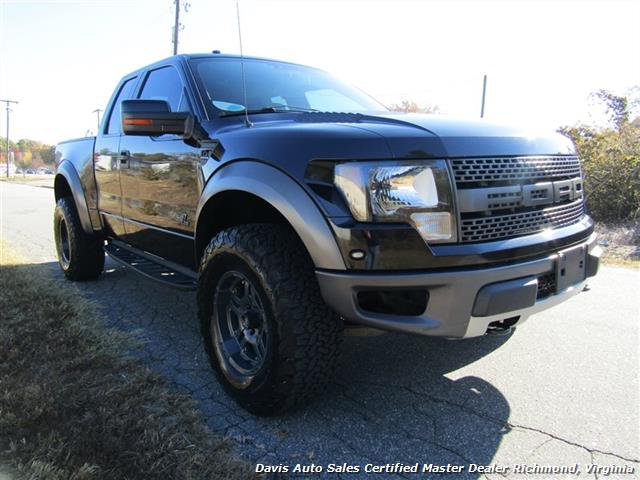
<point x="80" y="255"/>
<point x="305" y="334"/>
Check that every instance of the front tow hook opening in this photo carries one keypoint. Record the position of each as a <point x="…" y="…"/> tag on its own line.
<point x="503" y="327"/>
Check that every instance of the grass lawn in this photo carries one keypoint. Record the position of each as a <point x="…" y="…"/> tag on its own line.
<point x="35" y="180"/>
<point x="74" y="405"/>
<point x="621" y="242"/>
<point x="26" y="178"/>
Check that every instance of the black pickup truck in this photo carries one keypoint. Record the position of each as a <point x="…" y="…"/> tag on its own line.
<point x="297" y="206"/>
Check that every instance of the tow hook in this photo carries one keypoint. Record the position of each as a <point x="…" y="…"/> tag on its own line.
<point x="502" y="327"/>
<point x="500" y="331"/>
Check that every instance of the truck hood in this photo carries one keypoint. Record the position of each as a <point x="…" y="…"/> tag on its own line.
<point x="422" y="135"/>
<point x="290" y="140"/>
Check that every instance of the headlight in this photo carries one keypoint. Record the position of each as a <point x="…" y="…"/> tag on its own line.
<point x="418" y="193"/>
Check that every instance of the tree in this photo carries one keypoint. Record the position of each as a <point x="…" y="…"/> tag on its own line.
<point x="617" y="107"/>
<point x="28" y="144"/>
<point x="38" y="151"/>
<point x="3" y="145"/>
<point x="48" y="154"/>
<point x="611" y="161"/>
<point x="23" y="160"/>
<point x="410" y="106"/>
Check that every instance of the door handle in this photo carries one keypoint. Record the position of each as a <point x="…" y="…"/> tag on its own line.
<point x="124" y="157"/>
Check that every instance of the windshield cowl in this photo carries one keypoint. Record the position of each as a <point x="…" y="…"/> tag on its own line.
<point x="269" y="109"/>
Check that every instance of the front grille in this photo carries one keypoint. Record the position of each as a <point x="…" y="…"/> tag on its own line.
<point x="514" y="169"/>
<point x="518" y="224"/>
<point x="506" y="197"/>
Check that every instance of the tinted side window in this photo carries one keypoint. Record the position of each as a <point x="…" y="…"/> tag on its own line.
<point x="126" y="90"/>
<point x="163" y="84"/>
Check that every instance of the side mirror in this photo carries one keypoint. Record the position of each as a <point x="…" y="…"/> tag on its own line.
<point x="153" y="118"/>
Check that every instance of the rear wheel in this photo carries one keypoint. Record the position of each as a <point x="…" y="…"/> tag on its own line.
<point x="81" y="256"/>
<point x="270" y="337"/>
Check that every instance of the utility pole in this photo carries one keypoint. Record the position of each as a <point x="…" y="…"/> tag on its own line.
<point x="176" y="27"/>
<point x="97" y="111"/>
<point x="484" y="92"/>
<point x="8" y="111"/>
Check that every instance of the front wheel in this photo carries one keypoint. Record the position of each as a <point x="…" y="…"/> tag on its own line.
<point x="80" y="255"/>
<point x="270" y="337"/>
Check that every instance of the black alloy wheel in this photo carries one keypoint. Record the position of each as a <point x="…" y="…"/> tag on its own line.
<point x="240" y="331"/>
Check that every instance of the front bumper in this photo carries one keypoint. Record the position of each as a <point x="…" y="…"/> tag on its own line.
<point x="461" y="303"/>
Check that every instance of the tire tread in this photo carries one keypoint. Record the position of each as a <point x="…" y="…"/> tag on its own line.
<point x="309" y="332"/>
<point x="87" y="251"/>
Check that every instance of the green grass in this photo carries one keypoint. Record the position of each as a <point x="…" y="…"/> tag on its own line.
<point x="74" y="405"/>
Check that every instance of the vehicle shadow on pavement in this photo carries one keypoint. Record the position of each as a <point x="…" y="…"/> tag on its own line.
<point x="391" y="401"/>
<point x="412" y="412"/>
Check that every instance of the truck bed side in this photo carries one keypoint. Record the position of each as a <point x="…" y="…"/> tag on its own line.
<point x="74" y="162"/>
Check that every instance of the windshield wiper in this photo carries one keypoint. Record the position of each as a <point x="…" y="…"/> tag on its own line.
<point x="271" y="109"/>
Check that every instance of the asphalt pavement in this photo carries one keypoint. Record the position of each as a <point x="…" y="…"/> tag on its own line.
<point x="563" y="389"/>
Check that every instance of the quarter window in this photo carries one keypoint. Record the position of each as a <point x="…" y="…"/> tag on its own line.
<point x="115" y="124"/>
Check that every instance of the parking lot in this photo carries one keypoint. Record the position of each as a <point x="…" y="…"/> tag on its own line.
<point x="563" y="389"/>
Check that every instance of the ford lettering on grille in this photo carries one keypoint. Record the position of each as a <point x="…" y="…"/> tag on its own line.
<point x="510" y="197"/>
<point x="513" y="196"/>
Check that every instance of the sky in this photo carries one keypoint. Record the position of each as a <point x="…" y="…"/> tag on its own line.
<point x="62" y="59"/>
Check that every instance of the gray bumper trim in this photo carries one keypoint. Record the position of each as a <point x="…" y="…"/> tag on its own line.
<point x="451" y="296"/>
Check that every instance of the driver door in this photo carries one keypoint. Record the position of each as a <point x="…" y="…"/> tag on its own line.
<point x="160" y="179"/>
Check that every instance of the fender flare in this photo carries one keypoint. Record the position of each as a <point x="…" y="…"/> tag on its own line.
<point x="287" y="197"/>
<point x="69" y="173"/>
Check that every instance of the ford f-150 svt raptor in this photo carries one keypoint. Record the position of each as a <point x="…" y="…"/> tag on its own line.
<point x="295" y="203"/>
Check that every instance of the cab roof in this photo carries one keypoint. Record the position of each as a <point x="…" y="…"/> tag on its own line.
<point x="184" y="57"/>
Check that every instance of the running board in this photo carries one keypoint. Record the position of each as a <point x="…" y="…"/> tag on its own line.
<point x="151" y="266"/>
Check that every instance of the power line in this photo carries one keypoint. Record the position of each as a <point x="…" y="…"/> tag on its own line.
<point x="8" y="102"/>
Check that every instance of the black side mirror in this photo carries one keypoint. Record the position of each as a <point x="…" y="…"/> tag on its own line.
<point x="154" y="117"/>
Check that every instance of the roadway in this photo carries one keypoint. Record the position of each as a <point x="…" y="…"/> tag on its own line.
<point x="562" y="389"/>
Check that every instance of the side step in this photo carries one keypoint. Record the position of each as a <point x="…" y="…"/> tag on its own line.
<point x="152" y="267"/>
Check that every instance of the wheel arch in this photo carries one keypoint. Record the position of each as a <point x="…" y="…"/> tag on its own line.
<point x="67" y="184"/>
<point x="252" y="192"/>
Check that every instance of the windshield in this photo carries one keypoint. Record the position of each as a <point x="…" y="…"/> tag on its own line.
<point x="275" y="86"/>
